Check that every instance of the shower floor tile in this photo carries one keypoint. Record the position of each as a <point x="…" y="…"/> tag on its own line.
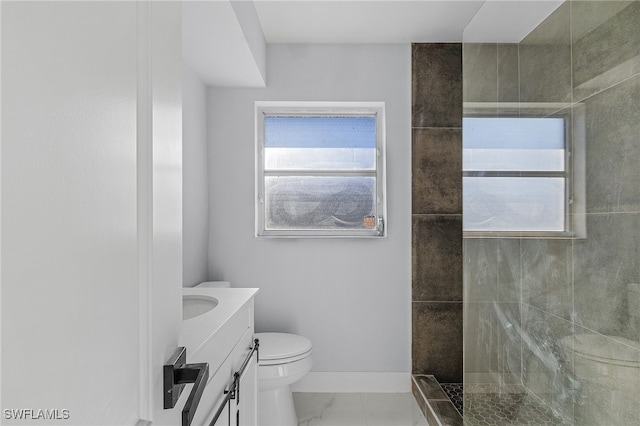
<point x="486" y="407"/>
<point x="454" y="392"/>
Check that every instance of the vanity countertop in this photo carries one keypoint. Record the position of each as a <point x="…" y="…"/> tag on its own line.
<point x="196" y="331"/>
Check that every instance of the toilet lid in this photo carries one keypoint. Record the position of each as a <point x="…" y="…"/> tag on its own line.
<point x="610" y="349"/>
<point x="279" y="346"/>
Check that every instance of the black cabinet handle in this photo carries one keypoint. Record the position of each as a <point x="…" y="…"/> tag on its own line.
<point x="177" y="373"/>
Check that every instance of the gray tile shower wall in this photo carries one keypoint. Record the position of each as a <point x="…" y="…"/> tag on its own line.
<point x="437" y="210"/>
<point x="545" y="60"/>
<point x="546" y="276"/>
<point x="507" y="80"/>
<point x="604" y="263"/>
<point x="611" y="120"/>
<point x="525" y="299"/>
<point x="596" y="64"/>
<point x="481" y="67"/>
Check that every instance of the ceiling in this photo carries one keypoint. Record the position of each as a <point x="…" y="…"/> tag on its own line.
<point x="224" y="41"/>
<point x="399" y="21"/>
<point x="391" y="21"/>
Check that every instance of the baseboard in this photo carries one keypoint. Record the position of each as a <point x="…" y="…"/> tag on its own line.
<point x="354" y="382"/>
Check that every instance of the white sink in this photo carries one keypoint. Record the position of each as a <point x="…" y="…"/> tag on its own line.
<point x="196" y="305"/>
<point x="214" y="310"/>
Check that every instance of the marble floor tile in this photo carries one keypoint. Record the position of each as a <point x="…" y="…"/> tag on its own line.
<point x="396" y="409"/>
<point x="356" y="409"/>
<point x="329" y="409"/>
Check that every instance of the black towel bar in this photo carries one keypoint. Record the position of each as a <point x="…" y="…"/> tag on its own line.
<point x="177" y="373"/>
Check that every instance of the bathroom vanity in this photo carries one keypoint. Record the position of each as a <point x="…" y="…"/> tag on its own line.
<point x="217" y="329"/>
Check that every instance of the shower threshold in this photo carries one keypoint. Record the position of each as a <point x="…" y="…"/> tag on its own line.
<point x="434" y="402"/>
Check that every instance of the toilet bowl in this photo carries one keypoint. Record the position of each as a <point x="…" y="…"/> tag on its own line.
<point x="607" y="370"/>
<point x="283" y="359"/>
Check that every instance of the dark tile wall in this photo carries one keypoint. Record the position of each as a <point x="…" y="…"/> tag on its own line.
<point x="436" y="164"/>
<point x="436" y="87"/>
<point x="437" y="210"/>
<point x="437" y="258"/>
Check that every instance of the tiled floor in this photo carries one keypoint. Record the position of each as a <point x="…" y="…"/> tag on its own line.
<point x="484" y="405"/>
<point x="455" y="393"/>
<point x="357" y="409"/>
<point x="487" y="406"/>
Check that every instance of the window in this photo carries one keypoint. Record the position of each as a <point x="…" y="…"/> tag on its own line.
<point x="516" y="177"/>
<point x="320" y="169"/>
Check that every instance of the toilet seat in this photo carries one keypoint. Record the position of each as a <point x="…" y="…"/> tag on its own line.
<point x="282" y="348"/>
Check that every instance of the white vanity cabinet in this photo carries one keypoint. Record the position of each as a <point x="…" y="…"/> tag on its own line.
<point x="227" y="345"/>
<point x="242" y="410"/>
<point x="248" y="404"/>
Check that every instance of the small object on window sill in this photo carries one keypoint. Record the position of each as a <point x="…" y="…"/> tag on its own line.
<point x="369" y="222"/>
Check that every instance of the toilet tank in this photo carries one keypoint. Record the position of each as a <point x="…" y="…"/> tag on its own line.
<point x="214" y="284"/>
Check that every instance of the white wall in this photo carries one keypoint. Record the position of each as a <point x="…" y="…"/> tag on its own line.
<point x="351" y="297"/>
<point x="195" y="185"/>
<point x="91" y="210"/>
<point x="69" y="207"/>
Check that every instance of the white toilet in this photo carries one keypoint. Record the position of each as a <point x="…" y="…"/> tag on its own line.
<point x="283" y="359"/>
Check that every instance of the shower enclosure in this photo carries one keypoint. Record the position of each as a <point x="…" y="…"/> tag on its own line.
<point x="552" y="221"/>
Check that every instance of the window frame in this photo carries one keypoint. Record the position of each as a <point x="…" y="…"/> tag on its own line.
<point x="265" y="109"/>
<point x="573" y="174"/>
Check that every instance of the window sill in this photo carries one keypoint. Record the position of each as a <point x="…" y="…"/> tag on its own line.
<point x="365" y="233"/>
<point x="561" y="235"/>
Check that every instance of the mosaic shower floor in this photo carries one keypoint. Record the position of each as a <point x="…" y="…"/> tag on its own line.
<point x="485" y="405"/>
<point x="455" y="393"/>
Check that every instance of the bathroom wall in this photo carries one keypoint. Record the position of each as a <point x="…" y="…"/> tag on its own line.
<point x="195" y="180"/>
<point x="351" y="297"/>
<point x="91" y="210"/>
<point x="526" y="298"/>
<point x="437" y="211"/>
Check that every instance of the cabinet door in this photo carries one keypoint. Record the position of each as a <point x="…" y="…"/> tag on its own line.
<point x="228" y="417"/>
<point x="248" y="402"/>
<point x="242" y="410"/>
